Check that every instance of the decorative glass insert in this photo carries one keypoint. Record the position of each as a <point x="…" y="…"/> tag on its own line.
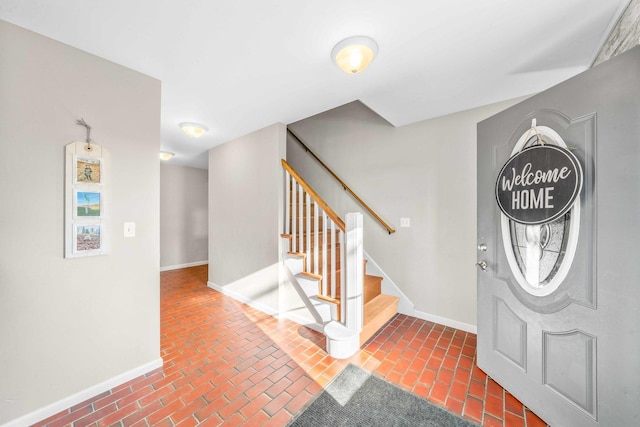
<point x="540" y="255"/>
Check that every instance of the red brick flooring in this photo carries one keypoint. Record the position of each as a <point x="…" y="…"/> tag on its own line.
<point x="228" y="364"/>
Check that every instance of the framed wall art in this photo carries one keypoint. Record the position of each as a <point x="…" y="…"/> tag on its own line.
<point x="86" y="197"/>
<point x="87" y="170"/>
<point x="88" y="204"/>
<point x="87" y="238"/>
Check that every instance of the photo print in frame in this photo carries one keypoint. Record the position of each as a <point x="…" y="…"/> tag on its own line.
<point x="88" y="204"/>
<point x="87" y="170"/>
<point x="87" y="238"/>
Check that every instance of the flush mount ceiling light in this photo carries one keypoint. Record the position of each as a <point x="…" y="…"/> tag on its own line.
<point x="354" y="54"/>
<point x="193" y="130"/>
<point x="165" y="155"/>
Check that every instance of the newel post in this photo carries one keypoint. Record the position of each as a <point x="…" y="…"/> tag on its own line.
<point x="354" y="274"/>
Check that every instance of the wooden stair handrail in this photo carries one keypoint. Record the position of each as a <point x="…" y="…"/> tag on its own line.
<point x="316" y="198"/>
<point x="343" y="184"/>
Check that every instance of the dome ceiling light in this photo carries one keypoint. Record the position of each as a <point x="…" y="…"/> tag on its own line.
<point x="165" y="155"/>
<point x="354" y="54"/>
<point x="194" y="130"/>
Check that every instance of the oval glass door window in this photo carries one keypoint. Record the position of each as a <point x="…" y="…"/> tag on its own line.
<point x="540" y="255"/>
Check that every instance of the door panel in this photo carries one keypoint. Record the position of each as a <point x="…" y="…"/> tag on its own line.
<point x="570" y="353"/>
<point x="574" y="381"/>
<point x="510" y="334"/>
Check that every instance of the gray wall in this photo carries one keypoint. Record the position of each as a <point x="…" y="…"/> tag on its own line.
<point x="426" y="172"/>
<point x="67" y="325"/>
<point x="245" y="216"/>
<point x="183" y="216"/>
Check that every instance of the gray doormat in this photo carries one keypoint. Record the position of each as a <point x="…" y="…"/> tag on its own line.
<point x="355" y="398"/>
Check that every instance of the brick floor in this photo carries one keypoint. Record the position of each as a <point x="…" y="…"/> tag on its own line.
<point x="226" y="363"/>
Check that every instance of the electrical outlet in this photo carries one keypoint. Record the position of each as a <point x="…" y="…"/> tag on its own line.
<point x="129" y="229"/>
<point x="405" y="222"/>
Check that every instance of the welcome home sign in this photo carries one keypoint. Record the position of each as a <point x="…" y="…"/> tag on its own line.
<point x="539" y="184"/>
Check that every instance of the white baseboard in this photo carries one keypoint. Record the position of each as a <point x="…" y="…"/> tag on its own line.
<point x="242" y="298"/>
<point x="81" y="396"/>
<point x="467" y="327"/>
<point x="190" y="264"/>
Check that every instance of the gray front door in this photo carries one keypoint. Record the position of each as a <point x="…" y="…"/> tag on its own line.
<point x="559" y="303"/>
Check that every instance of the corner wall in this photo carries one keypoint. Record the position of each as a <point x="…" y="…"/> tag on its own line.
<point x="71" y="327"/>
<point x="184" y="221"/>
<point x="426" y="172"/>
<point x="246" y="202"/>
<point x="624" y="36"/>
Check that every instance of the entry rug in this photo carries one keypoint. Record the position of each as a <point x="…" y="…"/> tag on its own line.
<point x="356" y="398"/>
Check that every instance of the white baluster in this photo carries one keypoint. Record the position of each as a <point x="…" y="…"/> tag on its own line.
<point x="343" y="284"/>
<point x="294" y="217"/>
<point x="315" y="238"/>
<point x="324" y="254"/>
<point x="308" y="232"/>
<point x="300" y="217"/>
<point x="333" y="259"/>
<point x="287" y="204"/>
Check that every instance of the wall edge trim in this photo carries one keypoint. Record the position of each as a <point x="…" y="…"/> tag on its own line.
<point x="81" y="396"/>
<point x="179" y="266"/>
<point x="467" y="327"/>
<point x="243" y="299"/>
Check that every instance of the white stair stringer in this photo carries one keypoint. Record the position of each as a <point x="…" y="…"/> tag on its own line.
<point x="307" y="287"/>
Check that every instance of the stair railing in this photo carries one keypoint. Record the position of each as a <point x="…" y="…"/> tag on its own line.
<point x="386" y="226"/>
<point x="319" y="233"/>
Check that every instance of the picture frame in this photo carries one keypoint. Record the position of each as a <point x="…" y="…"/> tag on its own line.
<point x="87" y="170"/>
<point x="86" y="198"/>
<point x="87" y="238"/>
<point x="88" y="204"/>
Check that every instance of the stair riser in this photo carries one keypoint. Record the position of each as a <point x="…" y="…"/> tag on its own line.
<point x="309" y="285"/>
<point x="374" y="322"/>
<point x="295" y="264"/>
<point x="372" y="287"/>
<point x="326" y="310"/>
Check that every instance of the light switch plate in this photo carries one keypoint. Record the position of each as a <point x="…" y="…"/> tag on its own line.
<point x="129" y="229"/>
<point x="405" y="222"/>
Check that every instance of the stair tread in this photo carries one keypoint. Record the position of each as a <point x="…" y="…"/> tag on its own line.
<point x="311" y="275"/>
<point x="296" y="254"/>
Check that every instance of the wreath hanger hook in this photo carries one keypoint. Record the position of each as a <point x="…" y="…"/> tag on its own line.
<point x="81" y="122"/>
<point x="534" y="129"/>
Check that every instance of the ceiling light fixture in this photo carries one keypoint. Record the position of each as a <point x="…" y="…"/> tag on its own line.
<point x="354" y="54"/>
<point x="194" y="130"/>
<point x="165" y="155"/>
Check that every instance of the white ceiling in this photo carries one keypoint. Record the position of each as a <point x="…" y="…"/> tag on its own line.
<point x="240" y="65"/>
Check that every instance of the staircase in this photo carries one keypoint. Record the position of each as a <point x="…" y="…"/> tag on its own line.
<point x="323" y="259"/>
<point x="378" y="307"/>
